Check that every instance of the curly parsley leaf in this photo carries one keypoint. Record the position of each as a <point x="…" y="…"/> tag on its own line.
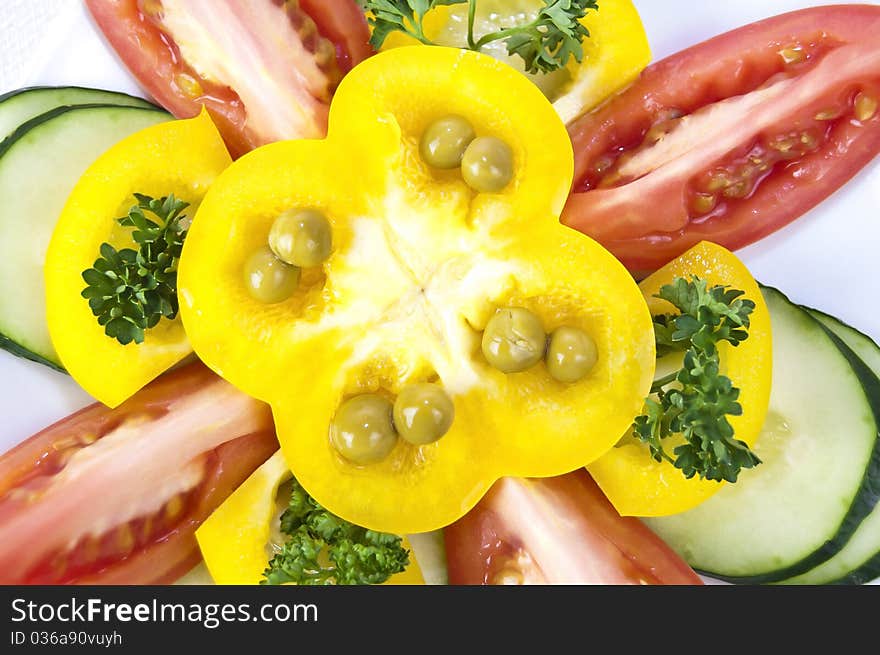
<point x="545" y="44"/>
<point x="696" y="400"/>
<point x="131" y="290"/>
<point x="708" y="315"/>
<point x="324" y="549"/>
<point x="552" y="39"/>
<point x="387" y="16"/>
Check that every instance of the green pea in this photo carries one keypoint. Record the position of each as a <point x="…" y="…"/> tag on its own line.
<point x="487" y="165"/>
<point x="423" y="413"/>
<point x="571" y="354"/>
<point x="444" y="141"/>
<point x="268" y="279"/>
<point x="362" y="430"/>
<point x="301" y="237"/>
<point x="514" y="340"/>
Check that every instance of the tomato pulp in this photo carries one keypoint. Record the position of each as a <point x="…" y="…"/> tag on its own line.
<point x="115" y="496"/>
<point x="264" y="69"/>
<point x="731" y="139"/>
<point x="557" y="531"/>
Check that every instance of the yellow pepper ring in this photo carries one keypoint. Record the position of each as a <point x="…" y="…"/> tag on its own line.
<point x="636" y="484"/>
<point x="420" y="263"/>
<point x="180" y="157"/>
<point x="235" y="539"/>
<point x="614" y="54"/>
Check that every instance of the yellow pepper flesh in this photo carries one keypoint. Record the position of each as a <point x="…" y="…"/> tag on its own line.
<point x="235" y="539"/>
<point x="420" y="263"/>
<point x="638" y="485"/>
<point x="179" y="157"/>
<point x="614" y="54"/>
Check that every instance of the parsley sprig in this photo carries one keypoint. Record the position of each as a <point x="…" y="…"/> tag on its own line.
<point x="324" y="549"/>
<point x="696" y="400"/>
<point x="129" y="290"/>
<point x="545" y="44"/>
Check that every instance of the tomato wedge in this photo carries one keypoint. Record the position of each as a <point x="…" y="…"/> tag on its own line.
<point x="264" y="69"/>
<point x="731" y="139"/>
<point x="557" y="531"/>
<point x="343" y="22"/>
<point x="115" y="496"/>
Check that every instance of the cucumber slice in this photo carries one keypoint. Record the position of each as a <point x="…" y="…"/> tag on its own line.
<point x="17" y="107"/>
<point x="39" y="165"/>
<point x="859" y="561"/>
<point x="819" y="448"/>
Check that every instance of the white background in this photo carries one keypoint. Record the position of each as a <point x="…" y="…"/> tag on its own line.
<point x="827" y="259"/>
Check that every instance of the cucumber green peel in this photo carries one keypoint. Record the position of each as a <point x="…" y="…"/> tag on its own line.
<point x="859" y="560"/>
<point x="85" y="129"/>
<point x="819" y="480"/>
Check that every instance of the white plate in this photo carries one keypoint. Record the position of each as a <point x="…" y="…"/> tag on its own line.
<point x="826" y="259"/>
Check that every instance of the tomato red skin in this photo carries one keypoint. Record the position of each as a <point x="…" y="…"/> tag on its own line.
<point x="574" y="500"/>
<point x="343" y="22"/>
<point x="170" y="554"/>
<point x="167" y="560"/>
<point x="725" y="66"/>
<point x="149" y="57"/>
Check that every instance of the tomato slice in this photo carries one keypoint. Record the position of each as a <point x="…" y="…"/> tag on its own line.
<point x="557" y="531"/>
<point x="115" y="496"/>
<point x="731" y="139"/>
<point x="343" y="22"/>
<point x="264" y="69"/>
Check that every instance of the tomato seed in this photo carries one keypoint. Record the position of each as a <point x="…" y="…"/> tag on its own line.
<point x="739" y="190"/>
<point x="809" y="141"/>
<point x="718" y="181"/>
<point x="125" y="539"/>
<point x="21" y="495"/>
<point x="306" y="29"/>
<point x="65" y="443"/>
<point x="865" y="106"/>
<point x="792" y="55"/>
<point x="609" y="180"/>
<point x="602" y="165"/>
<point x="88" y="551"/>
<point x="508" y="576"/>
<point x="322" y="48"/>
<point x="188" y="85"/>
<point x="785" y="145"/>
<point x="173" y="508"/>
<point x="146" y="528"/>
<point x="151" y="8"/>
<point x="703" y="203"/>
<point x="58" y="565"/>
<point x="61" y="459"/>
<point x="325" y="54"/>
<point x="827" y="114"/>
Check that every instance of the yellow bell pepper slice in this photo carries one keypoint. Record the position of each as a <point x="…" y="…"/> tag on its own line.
<point x="235" y="540"/>
<point x="420" y="263"/>
<point x="638" y="485"/>
<point x="614" y="54"/>
<point x="180" y="157"/>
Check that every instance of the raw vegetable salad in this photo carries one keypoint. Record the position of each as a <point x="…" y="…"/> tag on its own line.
<point x="410" y="291"/>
